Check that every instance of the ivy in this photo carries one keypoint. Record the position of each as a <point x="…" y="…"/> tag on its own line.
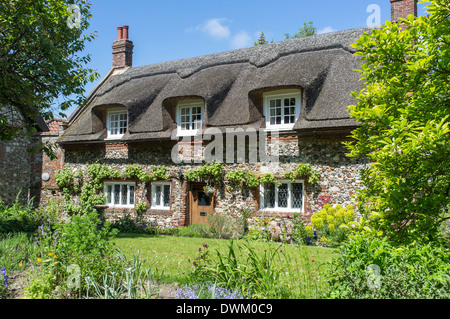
<point x="136" y="171"/>
<point x="212" y="171"/>
<point x="98" y="173"/>
<point x="268" y="178"/>
<point x="241" y="179"/>
<point x="304" y="170"/>
<point x="64" y="178"/>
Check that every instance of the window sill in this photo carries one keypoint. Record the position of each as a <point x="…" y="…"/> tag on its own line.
<point x="112" y="138"/>
<point x="281" y="210"/>
<point x="187" y="133"/>
<point x="119" y="206"/>
<point x="279" y="128"/>
<point x="160" y="208"/>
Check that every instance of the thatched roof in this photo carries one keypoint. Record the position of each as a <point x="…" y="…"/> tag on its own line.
<point x="231" y="84"/>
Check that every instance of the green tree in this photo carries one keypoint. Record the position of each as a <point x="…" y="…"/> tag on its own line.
<point x="261" y="40"/>
<point x="40" y="60"/>
<point x="403" y="116"/>
<point x="305" y="31"/>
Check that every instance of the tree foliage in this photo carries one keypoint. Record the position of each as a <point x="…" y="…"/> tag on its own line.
<point x="40" y="60"/>
<point x="261" y="40"/>
<point x="305" y="31"/>
<point x="404" y="124"/>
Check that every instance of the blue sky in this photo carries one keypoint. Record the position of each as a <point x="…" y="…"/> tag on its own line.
<point x="167" y="30"/>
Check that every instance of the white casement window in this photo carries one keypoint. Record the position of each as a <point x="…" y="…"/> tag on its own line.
<point x="189" y="117"/>
<point x="119" y="194"/>
<point x="116" y="123"/>
<point x="282" y="109"/>
<point x="288" y="196"/>
<point x="161" y="195"/>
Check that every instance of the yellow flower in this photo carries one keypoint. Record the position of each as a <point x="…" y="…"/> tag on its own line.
<point x="50" y="254"/>
<point x="56" y="262"/>
<point x="20" y="264"/>
<point x="55" y="256"/>
<point x="39" y="260"/>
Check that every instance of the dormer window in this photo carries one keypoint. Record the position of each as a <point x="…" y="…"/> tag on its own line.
<point x="190" y="117"/>
<point x="117" y="123"/>
<point x="282" y="108"/>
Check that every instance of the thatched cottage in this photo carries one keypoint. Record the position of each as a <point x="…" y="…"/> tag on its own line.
<point x="294" y="92"/>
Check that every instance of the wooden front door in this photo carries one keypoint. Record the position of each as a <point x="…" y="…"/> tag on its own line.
<point x="202" y="204"/>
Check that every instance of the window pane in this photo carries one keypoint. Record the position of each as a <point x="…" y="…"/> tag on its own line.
<point x="131" y="191"/>
<point x="108" y="194"/>
<point x="116" y="194"/>
<point x="269" y="195"/>
<point x="124" y="194"/>
<point x="203" y="199"/>
<point x="283" y="195"/>
<point x="113" y="124"/>
<point x="166" y="196"/>
<point x="196" y="117"/>
<point x="123" y="123"/>
<point x="185" y="121"/>
<point x="158" y="195"/>
<point x="297" y="195"/>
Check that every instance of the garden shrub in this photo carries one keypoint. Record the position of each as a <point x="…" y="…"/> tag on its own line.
<point x="260" y="230"/>
<point x="81" y="241"/>
<point x="332" y="223"/>
<point x="195" y="230"/>
<point x="17" y="218"/>
<point x="372" y="267"/>
<point x="127" y="224"/>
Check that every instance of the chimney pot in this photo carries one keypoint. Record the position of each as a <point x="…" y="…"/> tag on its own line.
<point x="125" y="32"/>
<point x="119" y="33"/>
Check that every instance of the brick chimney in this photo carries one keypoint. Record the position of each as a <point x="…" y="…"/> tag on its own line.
<point x="400" y="9"/>
<point x="122" y="49"/>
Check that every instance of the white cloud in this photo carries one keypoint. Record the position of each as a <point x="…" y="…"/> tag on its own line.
<point x="241" y="40"/>
<point x="215" y="28"/>
<point x="326" y="30"/>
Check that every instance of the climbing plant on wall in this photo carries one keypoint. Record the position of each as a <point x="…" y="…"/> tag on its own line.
<point x="89" y="188"/>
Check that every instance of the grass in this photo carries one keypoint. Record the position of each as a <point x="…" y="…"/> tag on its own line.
<point x="173" y="256"/>
<point x="15" y="248"/>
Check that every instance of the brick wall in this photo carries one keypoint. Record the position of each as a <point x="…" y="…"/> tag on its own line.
<point x="400" y="9"/>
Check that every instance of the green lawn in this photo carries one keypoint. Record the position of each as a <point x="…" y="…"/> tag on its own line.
<point x="173" y="256"/>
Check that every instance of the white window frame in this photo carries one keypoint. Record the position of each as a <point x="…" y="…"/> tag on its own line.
<point x="131" y="200"/>
<point x="109" y="115"/>
<point x="190" y="106"/>
<point x="289" y="200"/>
<point x="161" y="199"/>
<point x="282" y="94"/>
